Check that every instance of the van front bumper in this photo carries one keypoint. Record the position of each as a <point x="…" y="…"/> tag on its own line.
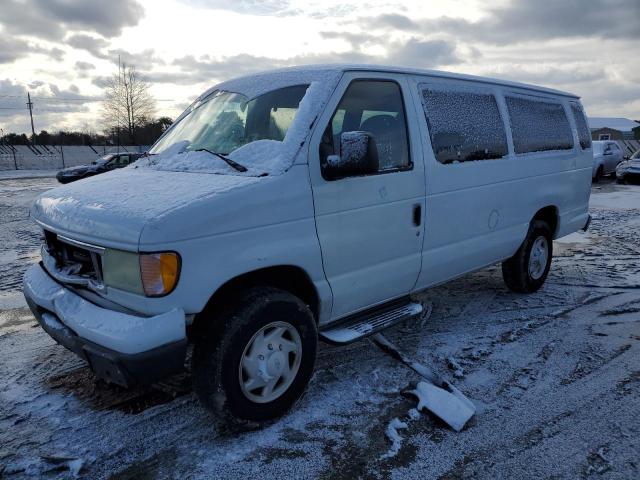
<point x="121" y="348"/>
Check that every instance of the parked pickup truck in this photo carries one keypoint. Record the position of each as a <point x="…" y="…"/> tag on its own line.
<point x="607" y="155"/>
<point x="304" y="204"/>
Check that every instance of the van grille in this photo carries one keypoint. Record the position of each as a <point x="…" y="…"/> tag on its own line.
<point x="72" y="258"/>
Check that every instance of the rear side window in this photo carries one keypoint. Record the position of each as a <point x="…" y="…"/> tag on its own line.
<point x="538" y="126"/>
<point x="464" y="126"/>
<point x="584" y="135"/>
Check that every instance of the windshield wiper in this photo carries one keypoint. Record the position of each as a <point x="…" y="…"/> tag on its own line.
<point x="231" y="163"/>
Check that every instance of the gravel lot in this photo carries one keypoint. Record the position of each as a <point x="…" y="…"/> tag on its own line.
<point x="555" y="376"/>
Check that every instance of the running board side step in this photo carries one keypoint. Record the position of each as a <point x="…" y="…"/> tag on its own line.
<point x="367" y="323"/>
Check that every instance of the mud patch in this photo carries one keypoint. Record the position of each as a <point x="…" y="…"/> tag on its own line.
<point x="270" y="454"/>
<point x="99" y="395"/>
<point x="597" y="462"/>
<point x="629" y="385"/>
<point x="591" y="360"/>
<point x="160" y="466"/>
<point x="542" y="432"/>
<point x="620" y="311"/>
<point x="358" y="453"/>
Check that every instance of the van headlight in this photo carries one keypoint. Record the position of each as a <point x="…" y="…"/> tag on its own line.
<point x="150" y="274"/>
<point x="159" y="273"/>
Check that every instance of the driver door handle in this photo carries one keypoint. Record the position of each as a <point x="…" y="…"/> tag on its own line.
<point x="417" y="214"/>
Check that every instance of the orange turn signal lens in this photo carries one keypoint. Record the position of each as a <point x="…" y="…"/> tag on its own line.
<point x="159" y="273"/>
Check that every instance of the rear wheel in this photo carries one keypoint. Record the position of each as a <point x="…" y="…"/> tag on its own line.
<point x="599" y="174"/>
<point x="256" y="359"/>
<point x="527" y="270"/>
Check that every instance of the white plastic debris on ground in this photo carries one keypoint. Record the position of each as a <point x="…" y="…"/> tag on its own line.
<point x="436" y="399"/>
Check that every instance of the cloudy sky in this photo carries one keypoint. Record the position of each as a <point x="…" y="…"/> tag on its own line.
<point x="62" y="50"/>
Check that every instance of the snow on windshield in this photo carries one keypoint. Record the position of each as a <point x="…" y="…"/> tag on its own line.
<point x="262" y="156"/>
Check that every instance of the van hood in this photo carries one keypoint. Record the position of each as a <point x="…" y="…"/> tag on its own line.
<point x="112" y="209"/>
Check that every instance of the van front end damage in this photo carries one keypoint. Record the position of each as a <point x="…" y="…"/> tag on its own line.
<point x="121" y="348"/>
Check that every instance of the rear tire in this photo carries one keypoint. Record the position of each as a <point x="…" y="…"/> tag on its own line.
<point x="267" y="337"/>
<point x="527" y="270"/>
<point x="598" y="176"/>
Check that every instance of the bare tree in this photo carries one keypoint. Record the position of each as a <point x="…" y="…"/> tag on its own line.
<point x="128" y="103"/>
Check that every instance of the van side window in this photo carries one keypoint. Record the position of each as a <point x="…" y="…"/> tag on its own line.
<point x="376" y="107"/>
<point x="584" y="135"/>
<point x="464" y="126"/>
<point x="538" y="125"/>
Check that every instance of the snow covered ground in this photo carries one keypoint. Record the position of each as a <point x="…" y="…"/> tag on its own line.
<point x="555" y="377"/>
<point x="16" y="174"/>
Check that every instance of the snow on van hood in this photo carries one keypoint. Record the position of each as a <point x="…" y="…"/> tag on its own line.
<point x="115" y="206"/>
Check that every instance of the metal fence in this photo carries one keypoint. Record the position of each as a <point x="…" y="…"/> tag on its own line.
<point x="629" y="146"/>
<point x="55" y="157"/>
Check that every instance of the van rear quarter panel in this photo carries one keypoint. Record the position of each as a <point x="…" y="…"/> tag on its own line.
<point x="478" y="212"/>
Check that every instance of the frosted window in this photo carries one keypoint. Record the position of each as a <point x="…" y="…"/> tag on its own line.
<point x="464" y="126"/>
<point x="584" y="134"/>
<point x="538" y="126"/>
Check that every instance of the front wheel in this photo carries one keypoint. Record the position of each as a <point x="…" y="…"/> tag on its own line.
<point x="527" y="270"/>
<point x="256" y="359"/>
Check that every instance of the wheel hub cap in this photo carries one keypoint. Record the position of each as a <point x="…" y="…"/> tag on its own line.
<point x="270" y="362"/>
<point x="538" y="257"/>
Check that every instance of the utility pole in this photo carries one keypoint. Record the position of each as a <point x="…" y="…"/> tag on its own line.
<point x="118" y="104"/>
<point x="30" y="105"/>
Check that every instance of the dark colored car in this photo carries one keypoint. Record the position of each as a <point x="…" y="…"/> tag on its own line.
<point x="629" y="170"/>
<point x="104" y="164"/>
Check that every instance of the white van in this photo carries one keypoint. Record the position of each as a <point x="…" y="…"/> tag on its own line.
<point x="301" y="204"/>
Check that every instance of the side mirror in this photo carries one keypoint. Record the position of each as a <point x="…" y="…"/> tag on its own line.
<point x="358" y="156"/>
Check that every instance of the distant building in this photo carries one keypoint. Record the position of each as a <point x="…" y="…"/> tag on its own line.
<point x="611" y="128"/>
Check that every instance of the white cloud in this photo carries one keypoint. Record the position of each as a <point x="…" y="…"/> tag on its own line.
<point x="184" y="46"/>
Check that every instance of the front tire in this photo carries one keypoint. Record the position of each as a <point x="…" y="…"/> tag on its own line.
<point x="526" y="271"/>
<point x="256" y="359"/>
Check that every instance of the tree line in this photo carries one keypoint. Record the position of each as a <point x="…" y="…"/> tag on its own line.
<point x="128" y="117"/>
<point x="146" y="134"/>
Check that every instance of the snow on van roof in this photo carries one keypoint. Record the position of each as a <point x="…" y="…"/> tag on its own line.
<point x="307" y="73"/>
<point x="262" y="82"/>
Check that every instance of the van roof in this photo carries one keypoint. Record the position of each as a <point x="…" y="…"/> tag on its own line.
<point x="344" y="67"/>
